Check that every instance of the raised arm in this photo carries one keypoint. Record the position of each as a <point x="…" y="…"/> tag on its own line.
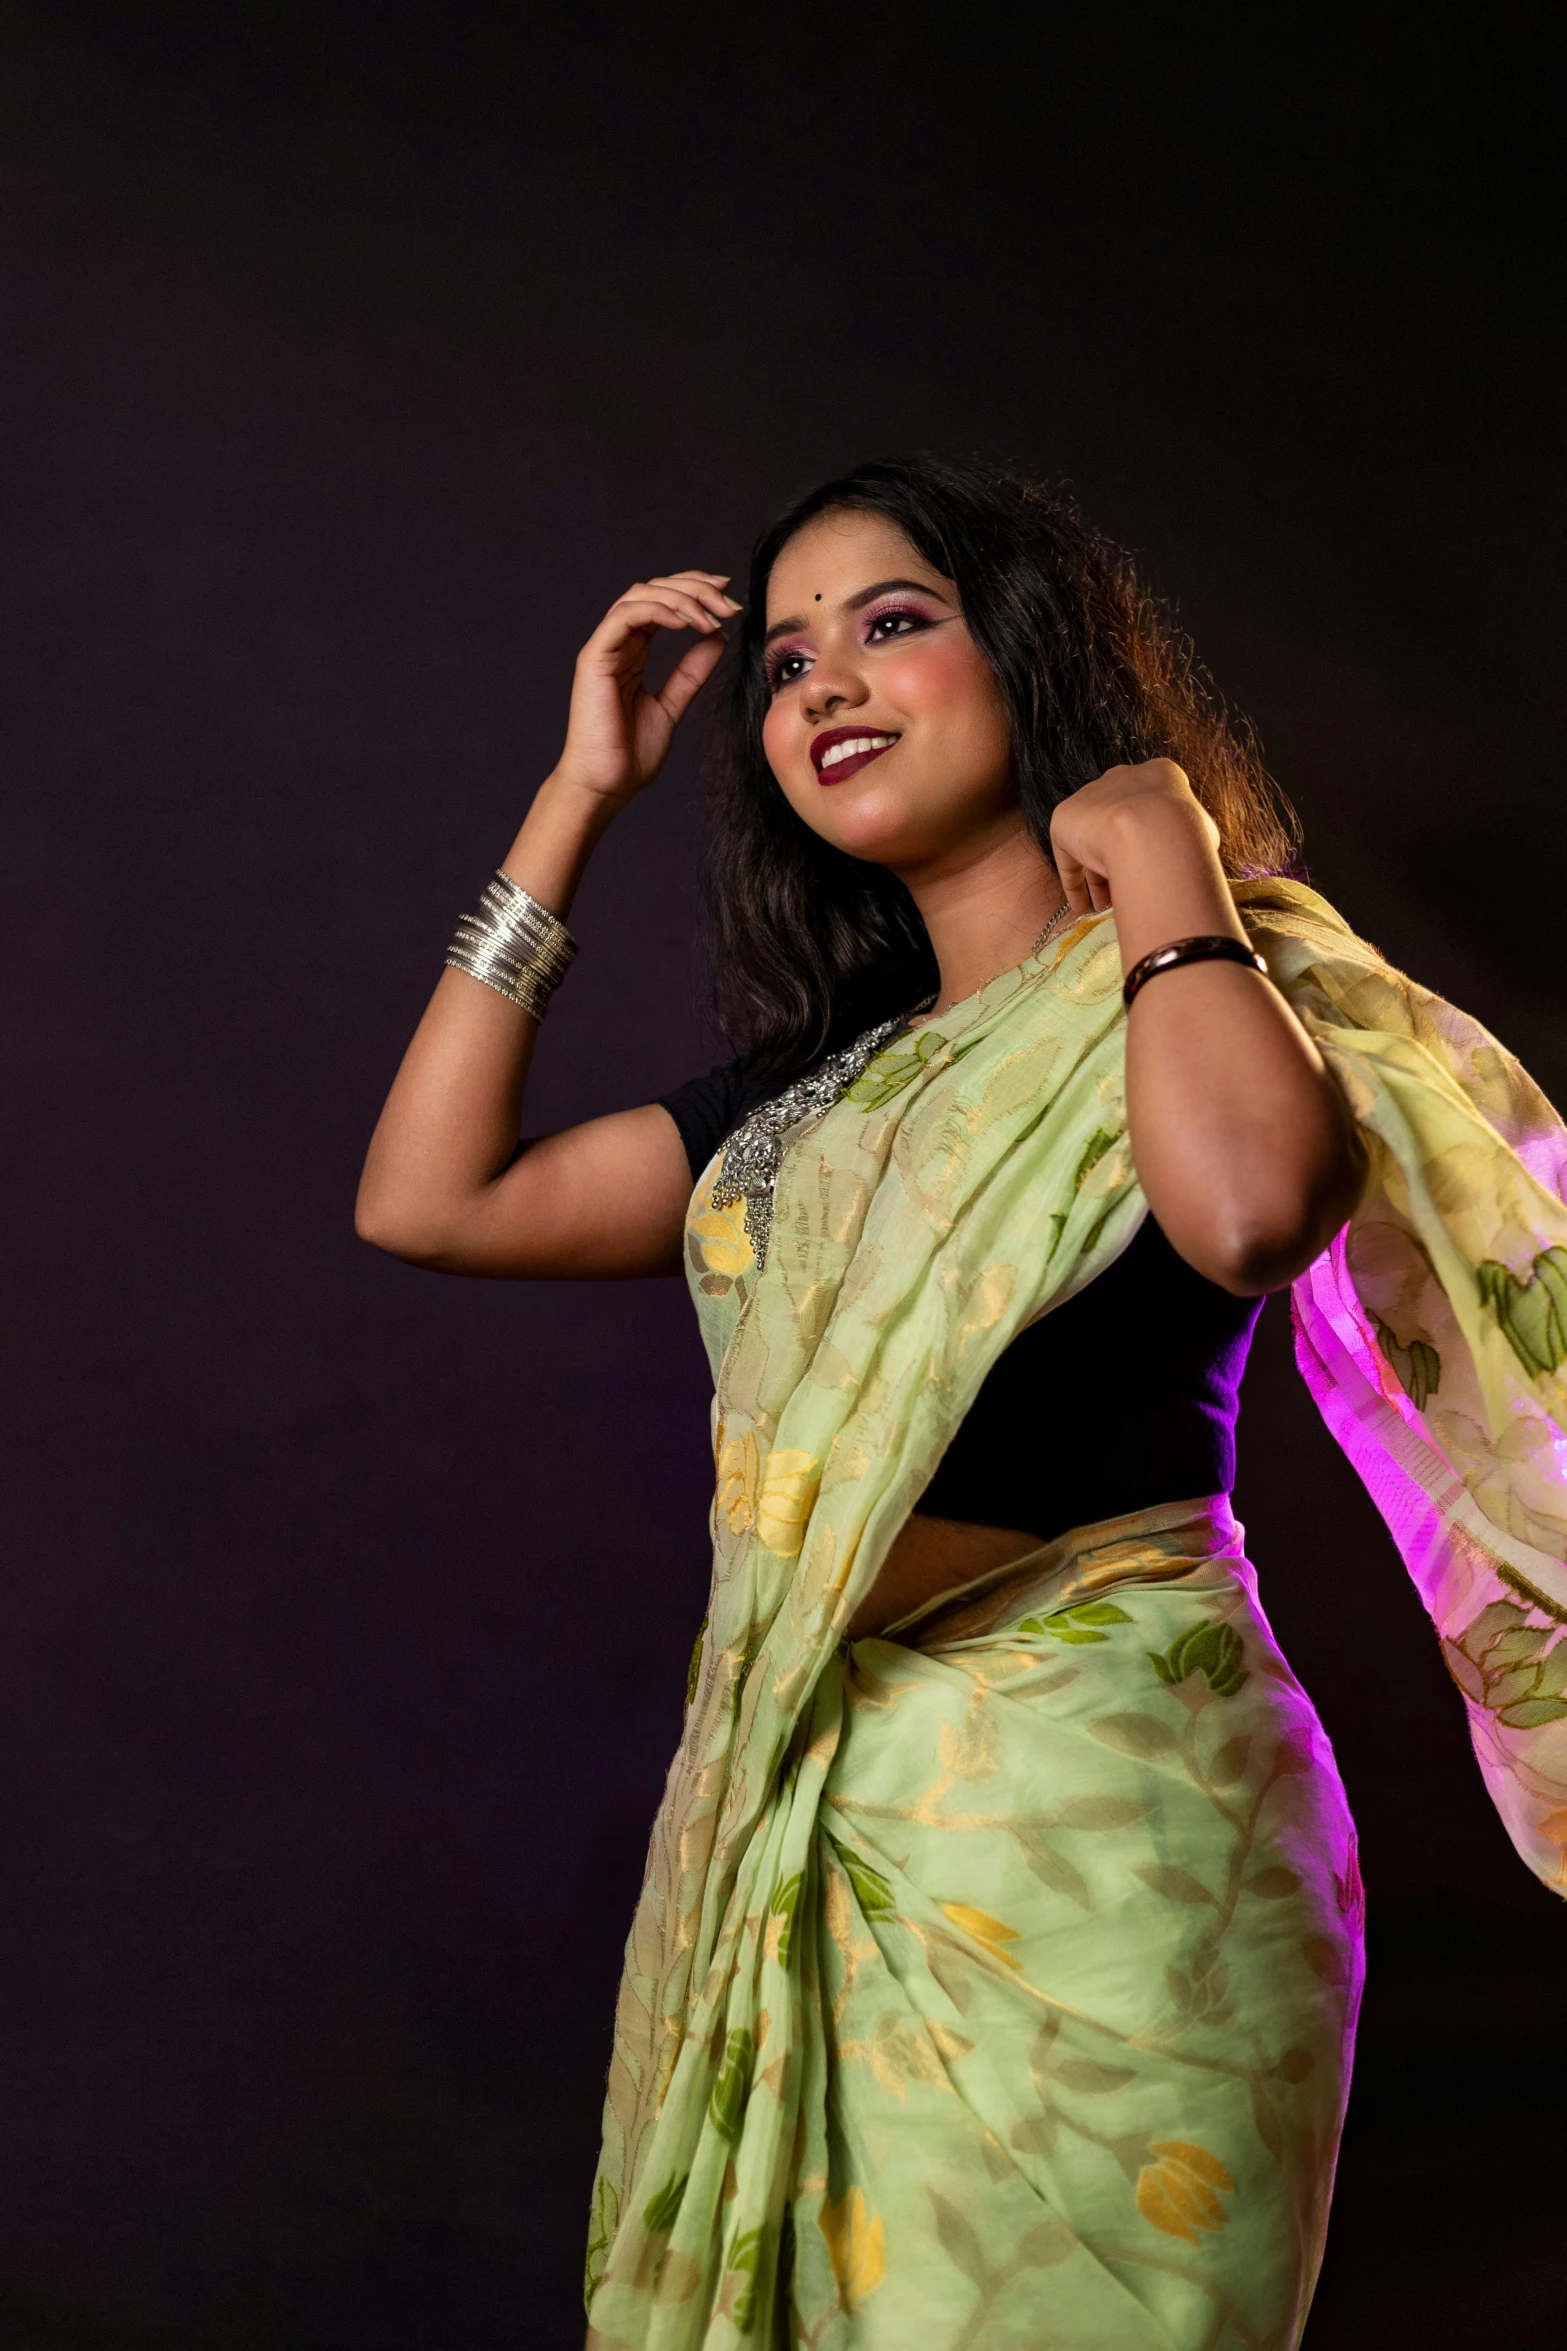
<point x="444" y="1183"/>
<point x="1243" y="1143"/>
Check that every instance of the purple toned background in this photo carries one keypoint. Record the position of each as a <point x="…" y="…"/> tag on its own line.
<point x="351" y="364"/>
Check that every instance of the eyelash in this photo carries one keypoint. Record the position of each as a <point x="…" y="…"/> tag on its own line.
<point x="781" y="659"/>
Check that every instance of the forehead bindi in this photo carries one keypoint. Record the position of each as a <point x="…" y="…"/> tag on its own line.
<point x="835" y="559"/>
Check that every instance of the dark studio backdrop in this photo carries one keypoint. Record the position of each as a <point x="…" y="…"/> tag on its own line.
<point x="352" y="363"/>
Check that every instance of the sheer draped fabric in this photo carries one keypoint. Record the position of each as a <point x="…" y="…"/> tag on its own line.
<point x="1065" y="1902"/>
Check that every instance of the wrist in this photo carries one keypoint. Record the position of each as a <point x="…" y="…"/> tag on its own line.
<point x="1166" y="880"/>
<point x="569" y="798"/>
<point x="559" y="834"/>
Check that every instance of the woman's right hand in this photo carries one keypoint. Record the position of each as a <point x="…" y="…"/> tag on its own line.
<point x="619" y="734"/>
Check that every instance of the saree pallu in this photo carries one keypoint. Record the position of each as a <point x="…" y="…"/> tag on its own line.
<point x="785" y="1966"/>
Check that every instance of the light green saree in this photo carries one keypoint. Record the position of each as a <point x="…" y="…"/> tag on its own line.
<point x="993" y="1982"/>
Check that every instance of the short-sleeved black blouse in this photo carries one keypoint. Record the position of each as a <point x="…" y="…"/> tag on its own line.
<point x="1124" y="1398"/>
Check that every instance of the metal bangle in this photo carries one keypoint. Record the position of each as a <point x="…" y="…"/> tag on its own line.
<point x="1179" y="951"/>
<point x="514" y="945"/>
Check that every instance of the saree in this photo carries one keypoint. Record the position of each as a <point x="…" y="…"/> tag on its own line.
<point x="993" y="1982"/>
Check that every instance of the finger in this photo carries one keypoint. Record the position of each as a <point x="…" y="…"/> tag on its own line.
<point x="700" y="613"/>
<point x="647" y="605"/>
<point x="689" y="675"/>
<point x="640" y="613"/>
<point x="1073" y="880"/>
<point x="707" y="592"/>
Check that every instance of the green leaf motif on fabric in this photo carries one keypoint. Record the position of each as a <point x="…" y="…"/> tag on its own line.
<point x="1099" y="1142"/>
<point x="1176" y="1885"/>
<point x="1264" y="2115"/>
<point x="958" y="2240"/>
<point x="1230" y="1763"/>
<point x="1273" y="1885"/>
<point x="694" y="1669"/>
<point x="1142" y="1735"/>
<point x="753" y="1650"/>
<point x="1077" y="1624"/>
<point x="1417" y="1367"/>
<point x="1102" y="1812"/>
<point x="1502" y="1662"/>
<point x="1326" y="1960"/>
<point x="1089" y="2078"/>
<point x="894" y="1068"/>
<point x="785" y="1901"/>
<point x="1200" y="1990"/>
<point x="1052" y="1868"/>
<point x="745" y="2258"/>
<point x="1214" y="1650"/>
<point x="603" y="2220"/>
<point x="1046" y="2243"/>
<point x="726" y="2107"/>
<point x="662" y="2210"/>
<point x="1037" y="2134"/>
<point x="874" y="1894"/>
<point x="1532" y="1313"/>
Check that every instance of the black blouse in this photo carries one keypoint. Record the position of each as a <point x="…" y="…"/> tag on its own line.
<point x="1123" y="1398"/>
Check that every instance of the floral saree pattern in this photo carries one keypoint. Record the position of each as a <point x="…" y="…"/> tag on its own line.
<point x="993" y="1982"/>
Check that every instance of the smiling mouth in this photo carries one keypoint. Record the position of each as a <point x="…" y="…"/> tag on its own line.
<point x="845" y="754"/>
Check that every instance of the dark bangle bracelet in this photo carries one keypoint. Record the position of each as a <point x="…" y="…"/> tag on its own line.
<point x="1216" y="950"/>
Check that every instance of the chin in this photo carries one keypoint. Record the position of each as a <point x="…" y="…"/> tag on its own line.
<point x="877" y="844"/>
<point x="872" y="826"/>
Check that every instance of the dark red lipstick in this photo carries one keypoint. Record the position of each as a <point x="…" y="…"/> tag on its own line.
<point x="873" y="741"/>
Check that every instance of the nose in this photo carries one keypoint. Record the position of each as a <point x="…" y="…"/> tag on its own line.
<point x="830" y="688"/>
<point x="835" y="680"/>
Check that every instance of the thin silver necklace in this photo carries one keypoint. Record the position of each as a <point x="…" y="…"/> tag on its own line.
<point x="1060" y="915"/>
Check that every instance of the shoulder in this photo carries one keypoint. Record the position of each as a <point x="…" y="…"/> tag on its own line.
<point x="707" y="1109"/>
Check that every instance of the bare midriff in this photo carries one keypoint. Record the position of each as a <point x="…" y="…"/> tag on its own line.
<point x="930" y="1556"/>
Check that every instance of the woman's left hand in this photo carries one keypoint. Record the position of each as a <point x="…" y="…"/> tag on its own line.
<point x="1124" y="814"/>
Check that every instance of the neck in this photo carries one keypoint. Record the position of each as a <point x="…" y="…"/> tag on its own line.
<point x="984" y="906"/>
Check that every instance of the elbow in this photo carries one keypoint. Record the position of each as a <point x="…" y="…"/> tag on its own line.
<point x="389" y="1225"/>
<point x="1260" y="1246"/>
<point x="1248" y="1260"/>
<point x="373" y="1223"/>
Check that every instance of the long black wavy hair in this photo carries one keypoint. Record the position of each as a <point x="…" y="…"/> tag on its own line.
<point x="807" y="944"/>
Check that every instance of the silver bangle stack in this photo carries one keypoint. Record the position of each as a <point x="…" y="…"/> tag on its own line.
<point x="514" y="945"/>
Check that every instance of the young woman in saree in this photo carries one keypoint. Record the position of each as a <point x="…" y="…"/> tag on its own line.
<point x="994" y="1978"/>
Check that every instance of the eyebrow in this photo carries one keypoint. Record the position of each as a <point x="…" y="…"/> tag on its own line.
<point x="857" y="603"/>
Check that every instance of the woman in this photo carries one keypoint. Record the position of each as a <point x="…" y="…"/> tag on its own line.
<point x="995" y="1974"/>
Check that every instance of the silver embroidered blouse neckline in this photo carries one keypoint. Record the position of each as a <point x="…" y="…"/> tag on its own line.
<point x="752" y="1156"/>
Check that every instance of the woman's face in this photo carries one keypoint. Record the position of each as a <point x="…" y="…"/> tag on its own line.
<point x="885" y="726"/>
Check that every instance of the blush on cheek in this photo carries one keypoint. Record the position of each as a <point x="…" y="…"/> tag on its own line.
<point x="942" y="676"/>
<point x="788" y="754"/>
<point x="776" y="734"/>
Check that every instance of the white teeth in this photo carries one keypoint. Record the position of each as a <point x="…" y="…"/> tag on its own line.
<point x="852" y="748"/>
